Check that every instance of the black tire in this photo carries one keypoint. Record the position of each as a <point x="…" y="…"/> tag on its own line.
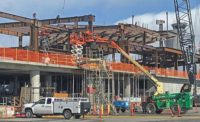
<point x="117" y="109"/>
<point x="77" y="116"/>
<point x="159" y="111"/>
<point x="123" y="110"/>
<point x="174" y="109"/>
<point x="183" y="110"/>
<point x="38" y="116"/>
<point x="151" y="108"/>
<point x="67" y="114"/>
<point x="28" y="113"/>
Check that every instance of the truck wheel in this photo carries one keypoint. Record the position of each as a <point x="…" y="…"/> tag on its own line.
<point x="183" y="110"/>
<point x="29" y="113"/>
<point x="123" y="110"/>
<point x="174" y="109"/>
<point x="117" y="109"/>
<point x="159" y="111"/>
<point x="151" y="108"/>
<point x="77" y="116"/>
<point x="67" y="114"/>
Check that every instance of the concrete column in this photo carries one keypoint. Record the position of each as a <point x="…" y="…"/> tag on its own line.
<point x="127" y="86"/>
<point x="35" y="84"/>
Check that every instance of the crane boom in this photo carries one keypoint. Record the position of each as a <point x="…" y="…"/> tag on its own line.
<point x="186" y="38"/>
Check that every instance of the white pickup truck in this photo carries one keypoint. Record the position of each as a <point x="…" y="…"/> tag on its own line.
<point x="55" y="106"/>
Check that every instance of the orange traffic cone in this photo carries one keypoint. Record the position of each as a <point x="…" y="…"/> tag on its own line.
<point x="179" y="111"/>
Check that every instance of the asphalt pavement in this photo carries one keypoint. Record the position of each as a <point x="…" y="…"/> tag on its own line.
<point x="190" y="116"/>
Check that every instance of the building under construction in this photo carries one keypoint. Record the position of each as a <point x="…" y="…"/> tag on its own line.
<point x="51" y="65"/>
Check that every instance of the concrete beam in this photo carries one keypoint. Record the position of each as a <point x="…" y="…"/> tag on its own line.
<point x="27" y="66"/>
<point x="172" y="80"/>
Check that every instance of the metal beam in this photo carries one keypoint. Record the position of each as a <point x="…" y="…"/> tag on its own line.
<point x="17" y="18"/>
<point x="24" y="21"/>
<point x="9" y="32"/>
<point x="13" y="25"/>
<point x="85" y="18"/>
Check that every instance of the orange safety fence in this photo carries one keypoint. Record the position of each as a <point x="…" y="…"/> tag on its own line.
<point x="31" y="56"/>
<point x="61" y="59"/>
<point x="158" y="71"/>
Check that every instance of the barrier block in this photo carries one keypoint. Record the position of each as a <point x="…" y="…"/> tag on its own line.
<point x="7" y="111"/>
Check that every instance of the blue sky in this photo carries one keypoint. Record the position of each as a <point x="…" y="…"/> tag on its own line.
<point x="107" y="12"/>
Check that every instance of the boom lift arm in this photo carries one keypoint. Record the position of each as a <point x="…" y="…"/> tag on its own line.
<point x="88" y="37"/>
<point x="159" y="85"/>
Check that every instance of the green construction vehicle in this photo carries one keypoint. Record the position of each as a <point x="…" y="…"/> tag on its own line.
<point x="160" y="101"/>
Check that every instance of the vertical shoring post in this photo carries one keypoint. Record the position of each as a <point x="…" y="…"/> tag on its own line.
<point x="76" y="84"/>
<point x="61" y="79"/>
<point x="129" y="80"/>
<point x="67" y="83"/>
<point x="109" y="88"/>
<point x="118" y="85"/>
<point x="83" y="79"/>
<point x="144" y="95"/>
<point x="138" y="87"/>
<point x="123" y="84"/>
<point x="133" y="85"/>
<point x="113" y="86"/>
<point x="73" y="90"/>
<point x="79" y="84"/>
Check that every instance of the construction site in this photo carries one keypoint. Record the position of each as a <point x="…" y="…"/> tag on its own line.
<point x="72" y="57"/>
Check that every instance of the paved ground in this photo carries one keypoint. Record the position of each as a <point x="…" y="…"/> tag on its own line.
<point x="191" y="116"/>
<point x="124" y="119"/>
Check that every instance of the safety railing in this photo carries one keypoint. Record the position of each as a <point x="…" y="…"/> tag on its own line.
<point x="158" y="71"/>
<point x="31" y="56"/>
<point x="61" y="59"/>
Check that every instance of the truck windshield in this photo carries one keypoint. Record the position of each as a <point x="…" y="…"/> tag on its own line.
<point x="41" y="101"/>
